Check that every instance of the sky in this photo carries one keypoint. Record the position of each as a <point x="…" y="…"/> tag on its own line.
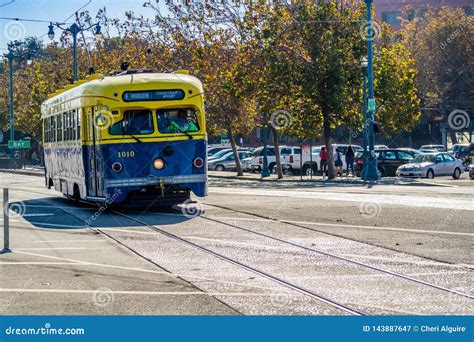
<point x="58" y="11"/>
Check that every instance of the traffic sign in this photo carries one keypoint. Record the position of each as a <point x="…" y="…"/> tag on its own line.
<point x="12" y="144"/>
<point x="371" y="105"/>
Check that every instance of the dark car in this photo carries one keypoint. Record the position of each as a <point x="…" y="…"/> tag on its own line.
<point x="388" y="161"/>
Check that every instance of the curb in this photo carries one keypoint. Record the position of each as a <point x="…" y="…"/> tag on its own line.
<point x="336" y="182"/>
<point x="22" y="172"/>
<point x="343" y="181"/>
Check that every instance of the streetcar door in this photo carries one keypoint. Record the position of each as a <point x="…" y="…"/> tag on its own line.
<point x="91" y="154"/>
<point x="99" y="124"/>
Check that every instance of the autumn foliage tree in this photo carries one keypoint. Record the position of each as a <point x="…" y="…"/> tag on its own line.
<point x="254" y="58"/>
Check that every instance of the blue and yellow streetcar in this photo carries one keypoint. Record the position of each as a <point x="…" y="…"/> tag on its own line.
<point x="134" y="138"/>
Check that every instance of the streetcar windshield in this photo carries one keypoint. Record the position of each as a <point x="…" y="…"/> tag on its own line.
<point x="134" y="122"/>
<point x="177" y="120"/>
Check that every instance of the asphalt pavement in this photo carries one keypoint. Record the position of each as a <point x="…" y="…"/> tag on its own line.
<point x="250" y="247"/>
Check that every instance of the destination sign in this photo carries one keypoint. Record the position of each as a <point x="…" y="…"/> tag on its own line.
<point x="153" y="95"/>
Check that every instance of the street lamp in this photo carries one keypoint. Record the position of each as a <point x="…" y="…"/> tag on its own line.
<point x="364" y="63"/>
<point x="371" y="169"/>
<point x="74" y="29"/>
<point x="10" y="57"/>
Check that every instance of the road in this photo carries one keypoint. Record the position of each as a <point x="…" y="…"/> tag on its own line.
<point x="249" y="248"/>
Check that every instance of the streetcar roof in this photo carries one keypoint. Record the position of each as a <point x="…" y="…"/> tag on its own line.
<point x="106" y="85"/>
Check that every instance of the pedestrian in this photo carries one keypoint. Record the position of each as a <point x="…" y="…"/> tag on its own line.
<point x="324" y="160"/>
<point x="350" y="160"/>
<point x="338" y="161"/>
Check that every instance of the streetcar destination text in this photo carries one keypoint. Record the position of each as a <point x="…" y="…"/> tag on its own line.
<point x="153" y="95"/>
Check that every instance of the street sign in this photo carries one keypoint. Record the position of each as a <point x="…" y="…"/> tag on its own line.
<point x="306" y="150"/>
<point x="371" y="105"/>
<point x="12" y="144"/>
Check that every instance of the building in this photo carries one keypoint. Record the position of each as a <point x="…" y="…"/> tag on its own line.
<point x="391" y="11"/>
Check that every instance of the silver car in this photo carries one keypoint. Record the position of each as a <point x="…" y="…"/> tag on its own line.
<point x="430" y="165"/>
<point x="227" y="161"/>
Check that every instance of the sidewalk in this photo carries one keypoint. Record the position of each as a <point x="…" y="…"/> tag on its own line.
<point x="38" y="171"/>
<point x="314" y="179"/>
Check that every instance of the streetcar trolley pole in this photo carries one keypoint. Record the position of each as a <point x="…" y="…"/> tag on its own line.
<point x="6" y="223"/>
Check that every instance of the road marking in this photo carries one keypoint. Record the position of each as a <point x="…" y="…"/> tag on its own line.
<point x="343" y="225"/>
<point x="69" y="241"/>
<point x="56" y="249"/>
<point x="160" y="293"/>
<point x="381" y="228"/>
<point x="56" y="207"/>
<point x="47" y="224"/>
<point x="390" y="199"/>
<point x="125" y="230"/>
<point x="15" y="263"/>
<point x="174" y="275"/>
<point x="424" y="263"/>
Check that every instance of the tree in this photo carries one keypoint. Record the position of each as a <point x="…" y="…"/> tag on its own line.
<point x="441" y="43"/>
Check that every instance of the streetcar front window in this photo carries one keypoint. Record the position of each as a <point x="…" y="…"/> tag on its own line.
<point x="177" y="120"/>
<point x="134" y="122"/>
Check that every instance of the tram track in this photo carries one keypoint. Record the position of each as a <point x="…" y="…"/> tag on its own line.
<point x="332" y="255"/>
<point x="247" y="267"/>
<point x="272" y="277"/>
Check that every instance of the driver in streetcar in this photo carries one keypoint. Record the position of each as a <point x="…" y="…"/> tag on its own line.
<point x="181" y="123"/>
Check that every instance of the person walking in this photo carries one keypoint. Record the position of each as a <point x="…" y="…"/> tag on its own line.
<point x="338" y="161"/>
<point x="324" y="160"/>
<point x="350" y="158"/>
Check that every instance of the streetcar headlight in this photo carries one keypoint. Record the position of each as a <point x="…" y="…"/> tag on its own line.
<point x="198" y="162"/>
<point x="117" y="167"/>
<point x="158" y="164"/>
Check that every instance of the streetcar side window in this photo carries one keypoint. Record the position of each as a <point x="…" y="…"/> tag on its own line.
<point x="53" y="128"/>
<point x="66" y="126"/>
<point x="59" y="127"/>
<point x="78" y="123"/>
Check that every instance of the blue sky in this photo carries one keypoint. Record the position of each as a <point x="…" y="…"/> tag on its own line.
<point x="56" y="10"/>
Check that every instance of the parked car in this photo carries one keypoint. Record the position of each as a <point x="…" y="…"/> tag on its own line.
<point x="380" y="147"/>
<point x="388" y="161"/>
<point x="432" y="148"/>
<point x="459" y="150"/>
<point x="471" y="171"/>
<point x="431" y="165"/>
<point x="227" y="161"/>
<point x="289" y="156"/>
<point x="410" y="150"/>
<point x="246" y="163"/>
<point x="219" y="154"/>
<point x="213" y="150"/>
